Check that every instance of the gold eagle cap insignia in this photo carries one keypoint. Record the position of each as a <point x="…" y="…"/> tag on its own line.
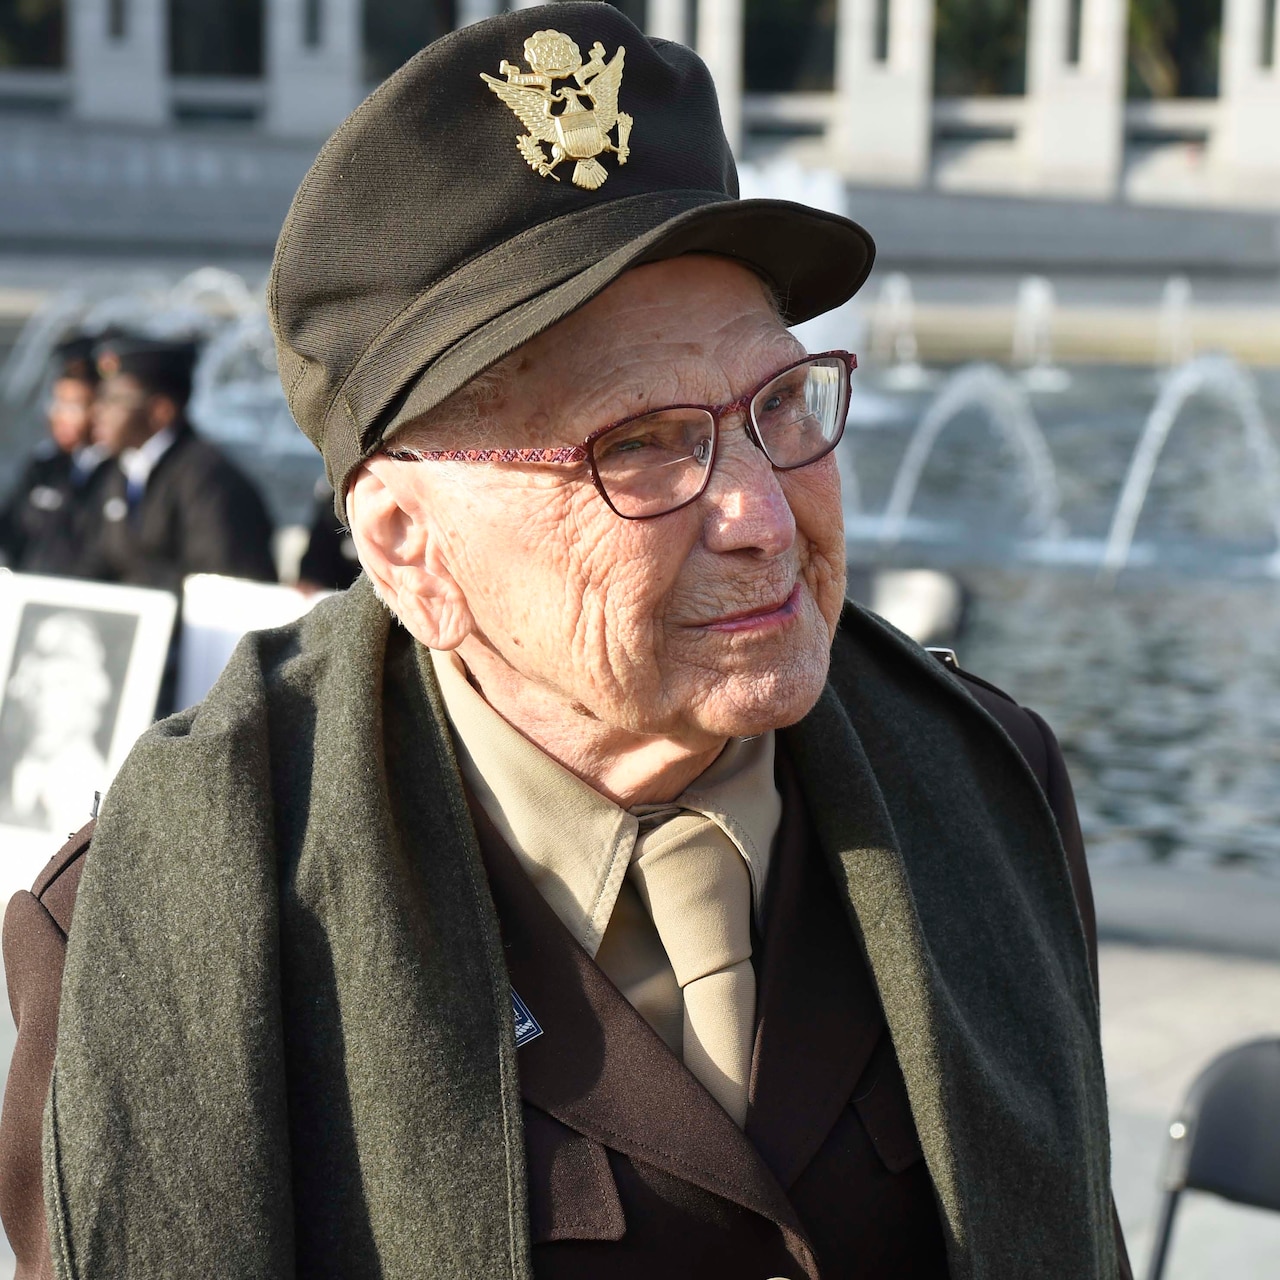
<point x="576" y="120"/>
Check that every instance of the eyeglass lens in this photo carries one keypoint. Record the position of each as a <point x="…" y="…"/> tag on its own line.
<point x="653" y="464"/>
<point x="799" y="414"/>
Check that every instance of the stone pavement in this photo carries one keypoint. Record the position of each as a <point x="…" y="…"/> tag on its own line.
<point x="1166" y="1011"/>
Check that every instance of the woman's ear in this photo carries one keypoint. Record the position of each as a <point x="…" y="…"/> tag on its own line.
<point x="391" y="529"/>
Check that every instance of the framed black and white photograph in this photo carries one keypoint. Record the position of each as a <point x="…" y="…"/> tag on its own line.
<point x="80" y="669"/>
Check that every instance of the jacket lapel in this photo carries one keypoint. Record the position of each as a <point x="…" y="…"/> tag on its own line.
<point x="599" y="1068"/>
<point x="819" y="1017"/>
<point x="857" y="837"/>
<point x="964" y="905"/>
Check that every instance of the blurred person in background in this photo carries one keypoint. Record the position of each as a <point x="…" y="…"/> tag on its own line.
<point x="172" y="504"/>
<point x="330" y="562"/>
<point x="42" y="526"/>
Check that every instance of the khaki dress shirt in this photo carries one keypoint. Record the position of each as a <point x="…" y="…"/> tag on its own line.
<point x="576" y="845"/>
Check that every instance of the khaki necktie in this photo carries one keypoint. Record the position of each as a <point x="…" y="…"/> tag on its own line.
<point x="697" y="889"/>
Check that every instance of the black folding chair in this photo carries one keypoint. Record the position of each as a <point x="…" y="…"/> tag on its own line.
<point x="1226" y="1139"/>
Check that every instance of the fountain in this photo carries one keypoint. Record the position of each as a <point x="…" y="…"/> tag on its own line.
<point x="213" y="289"/>
<point x="1175" y="340"/>
<point x="893" y="336"/>
<point x="1213" y="375"/>
<point x="236" y="395"/>
<point x="978" y="386"/>
<point x="1033" y="336"/>
<point x="1166" y="694"/>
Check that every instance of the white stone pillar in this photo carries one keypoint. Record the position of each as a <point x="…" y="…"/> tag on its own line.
<point x="1074" y="133"/>
<point x="1246" y="151"/>
<point x="667" y="20"/>
<point x="720" y="47"/>
<point x="314" y="77"/>
<point x="119" y="60"/>
<point x="884" y="90"/>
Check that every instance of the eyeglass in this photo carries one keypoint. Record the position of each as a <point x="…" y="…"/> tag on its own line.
<point x="657" y="462"/>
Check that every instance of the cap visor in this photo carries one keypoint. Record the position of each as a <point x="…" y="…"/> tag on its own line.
<point x="813" y="260"/>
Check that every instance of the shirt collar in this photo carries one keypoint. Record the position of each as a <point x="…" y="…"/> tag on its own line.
<point x="534" y="801"/>
<point x="138" y="464"/>
<point x="739" y="794"/>
<point x="86" y="458"/>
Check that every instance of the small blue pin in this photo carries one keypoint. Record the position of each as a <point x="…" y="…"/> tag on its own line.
<point x="527" y="1027"/>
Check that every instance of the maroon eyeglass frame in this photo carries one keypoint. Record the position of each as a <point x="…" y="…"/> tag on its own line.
<point x="585" y="452"/>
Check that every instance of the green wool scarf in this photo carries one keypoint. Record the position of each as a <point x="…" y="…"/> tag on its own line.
<point x="286" y="1049"/>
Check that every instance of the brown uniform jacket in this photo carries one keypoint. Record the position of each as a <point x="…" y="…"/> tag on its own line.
<point x="633" y="1170"/>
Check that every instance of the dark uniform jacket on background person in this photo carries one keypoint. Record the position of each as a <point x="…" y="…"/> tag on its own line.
<point x="629" y="1167"/>
<point x="197" y="514"/>
<point x="330" y="558"/>
<point x="43" y="525"/>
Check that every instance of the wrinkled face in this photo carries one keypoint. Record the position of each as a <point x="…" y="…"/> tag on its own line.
<point x="711" y="621"/>
<point x="120" y="414"/>
<point x="71" y="414"/>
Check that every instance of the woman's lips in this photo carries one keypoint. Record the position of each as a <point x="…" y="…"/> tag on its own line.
<point x="759" y="619"/>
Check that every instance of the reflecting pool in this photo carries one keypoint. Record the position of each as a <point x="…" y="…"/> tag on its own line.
<point x="1162" y="682"/>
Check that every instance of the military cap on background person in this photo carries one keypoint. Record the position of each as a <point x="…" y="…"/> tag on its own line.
<point x="172" y="504"/>
<point x="631" y="908"/>
<point x="163" y="366"/>
<point x="42" y="526"/>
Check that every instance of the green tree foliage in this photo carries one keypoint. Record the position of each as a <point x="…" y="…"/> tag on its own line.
<point x="215" y="37"/>
<point x="31" y="33"/>
<point x="980" y="48"/>
<point x="394" y="30"/>
<point x="790" y="46"/>
<point x="1173" y="48"/>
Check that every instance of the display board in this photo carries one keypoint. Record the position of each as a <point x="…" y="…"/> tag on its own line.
<point x="81" y="666"/>
<point x="216" y="613"/>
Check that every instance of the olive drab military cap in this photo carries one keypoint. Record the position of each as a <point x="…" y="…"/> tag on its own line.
<point x="500" y="179"/>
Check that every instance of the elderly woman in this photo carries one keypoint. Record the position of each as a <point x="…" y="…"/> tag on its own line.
<point x="628" y="905"/>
